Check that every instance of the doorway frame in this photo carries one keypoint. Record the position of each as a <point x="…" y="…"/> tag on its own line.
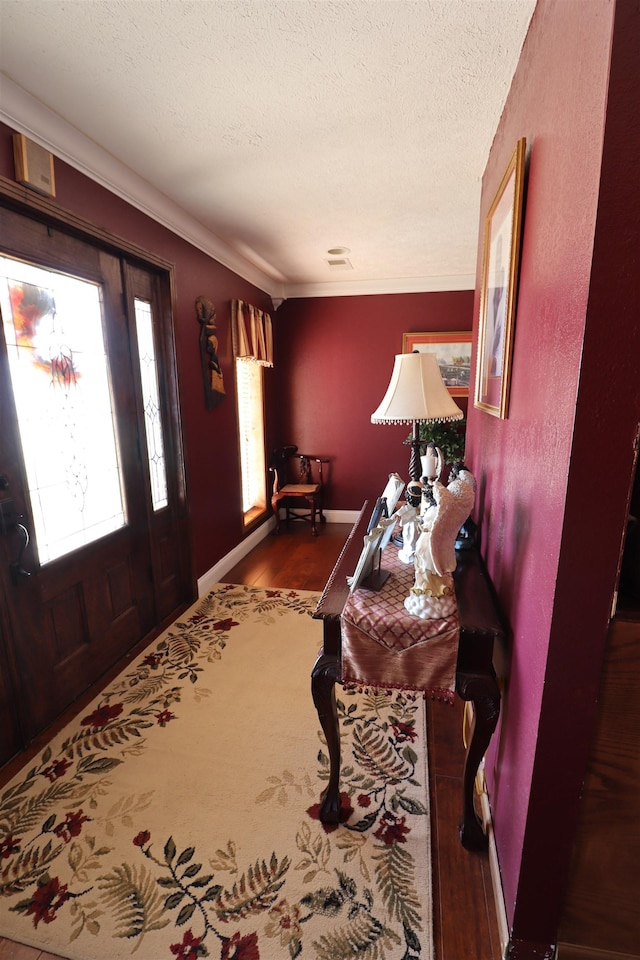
<point x="19" y="198"/>
<point x="22" y="201"/>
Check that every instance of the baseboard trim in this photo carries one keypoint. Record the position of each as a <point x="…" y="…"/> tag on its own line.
<point x="341" y="516"/>
<point x="222" y="567"/>
<point x="331" y="516"/>
<point x="494" y="865"/>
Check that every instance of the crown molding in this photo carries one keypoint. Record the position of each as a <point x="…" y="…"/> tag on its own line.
<point x="24" y="113"/>
<point x="357" y="288"/>
<point x="27" y="115"/>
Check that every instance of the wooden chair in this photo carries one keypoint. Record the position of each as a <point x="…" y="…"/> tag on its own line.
<point x="294" y="482"/>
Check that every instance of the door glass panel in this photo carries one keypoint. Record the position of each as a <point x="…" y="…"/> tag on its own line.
<point x="151" y="400"/>
<point x="60" y="377"/>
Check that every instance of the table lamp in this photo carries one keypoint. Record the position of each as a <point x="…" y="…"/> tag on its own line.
<point x="416" y="394"/>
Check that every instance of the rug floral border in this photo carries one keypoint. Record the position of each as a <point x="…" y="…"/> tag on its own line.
<point x="46" y="816"/>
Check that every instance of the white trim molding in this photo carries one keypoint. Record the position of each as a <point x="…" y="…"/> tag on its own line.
<point x="358" y="288"/>
<point x="494" y="865"/>
<point x="24" y="113"/>
<point x="222" y="567"/>
<point x="18" y="109"/>
<point x="496" y="879"/>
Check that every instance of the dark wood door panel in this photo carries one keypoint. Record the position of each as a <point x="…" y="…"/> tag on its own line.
<point x="601" y="904"/>
<point x="115" y="572"/>
<point x="89" y="623"/>
<point x="10" y="734"/>
<point x="36" y="241"/>
<point x="74" y="617"/>
<point x="168" y="580"/>
<point x="167" y="527"/>
<point x="68" y="624"/>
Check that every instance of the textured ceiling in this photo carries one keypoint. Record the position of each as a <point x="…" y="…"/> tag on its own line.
<point x="284" y="129"/>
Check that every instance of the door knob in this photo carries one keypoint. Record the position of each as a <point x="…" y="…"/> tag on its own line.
<point x="10" y="522"/>
<point x="16" y="568"/>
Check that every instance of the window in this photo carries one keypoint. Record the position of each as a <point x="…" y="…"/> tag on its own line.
<point x="249" y="391"/>
<point x="151" y="400"/>
<point x="53" y="326"/>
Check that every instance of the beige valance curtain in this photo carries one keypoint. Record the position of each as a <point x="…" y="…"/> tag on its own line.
<point x="253" y="333"/>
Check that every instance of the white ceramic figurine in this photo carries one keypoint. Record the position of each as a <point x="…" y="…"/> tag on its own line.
<point x="409" y="518"/>
<point x="432" y="596"/>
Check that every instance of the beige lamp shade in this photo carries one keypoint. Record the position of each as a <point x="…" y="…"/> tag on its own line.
<point x="416" y="391"/>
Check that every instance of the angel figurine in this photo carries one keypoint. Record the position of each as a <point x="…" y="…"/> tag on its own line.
<point x="409" y="517"/>
<point x="432" y="595"/>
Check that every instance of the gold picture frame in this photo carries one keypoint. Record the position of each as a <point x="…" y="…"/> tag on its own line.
<point x="498" y="293"/>
<point x="453" y="353"/>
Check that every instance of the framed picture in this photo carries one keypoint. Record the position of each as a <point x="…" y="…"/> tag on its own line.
<point x="364" y="566"/>
<point x="500" y="262"/>
<point x="388" y="525"/>
<point x="453" y="352"/>
<point x="392" y="491"/>
<point x="368" y="573"/>
<point x="379" y="511"/>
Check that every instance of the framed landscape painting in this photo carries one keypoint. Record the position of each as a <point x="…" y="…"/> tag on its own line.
<point x="453" y="352"/>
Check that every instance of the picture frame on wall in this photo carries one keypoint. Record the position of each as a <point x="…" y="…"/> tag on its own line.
<point x="453" y="353"/>
<point x="499" y="288"/>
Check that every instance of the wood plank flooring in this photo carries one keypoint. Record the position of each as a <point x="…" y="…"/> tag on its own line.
<point x="465" y="926"/>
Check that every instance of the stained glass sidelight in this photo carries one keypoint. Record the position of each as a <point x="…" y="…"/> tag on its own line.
<point x="53" y="327"/>
<point x="151" y="400"/>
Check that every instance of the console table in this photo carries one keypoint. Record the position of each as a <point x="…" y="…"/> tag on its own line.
<point x="475" y="680"/>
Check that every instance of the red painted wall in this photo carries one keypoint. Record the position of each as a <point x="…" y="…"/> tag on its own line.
<point x="333" y="361"/>
<point x="551" y="498"/>
<point x="210" y="439"/>
<point x="552" y="521"/>
<point x="337" y="357"/>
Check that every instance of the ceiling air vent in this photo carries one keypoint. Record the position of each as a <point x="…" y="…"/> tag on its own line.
<point x="340" y="263"/>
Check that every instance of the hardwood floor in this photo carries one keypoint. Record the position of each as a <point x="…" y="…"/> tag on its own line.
<point x="465" y="926"/>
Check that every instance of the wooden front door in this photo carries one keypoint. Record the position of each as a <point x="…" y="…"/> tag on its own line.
<point x="92" y="553"/>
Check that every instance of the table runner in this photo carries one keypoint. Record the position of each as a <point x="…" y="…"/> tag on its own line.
<point x="384" y="646"/>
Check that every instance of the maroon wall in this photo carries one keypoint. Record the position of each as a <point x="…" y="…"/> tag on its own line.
<point x="553" y="477"/>
<point x="552" y="526"/>
<point x="210" y="437"/>
<point x="337" y="356"/>
<point x="333" y="360"/>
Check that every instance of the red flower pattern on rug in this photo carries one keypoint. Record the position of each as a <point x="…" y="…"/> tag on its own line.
<point x="377" y="801"/>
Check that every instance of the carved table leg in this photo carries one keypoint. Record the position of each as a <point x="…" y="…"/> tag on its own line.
<point x="323" y="688"/>
<point x="483" y="692"/>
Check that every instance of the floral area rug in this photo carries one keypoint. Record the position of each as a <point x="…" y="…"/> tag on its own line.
<point x="177" y="817"/>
